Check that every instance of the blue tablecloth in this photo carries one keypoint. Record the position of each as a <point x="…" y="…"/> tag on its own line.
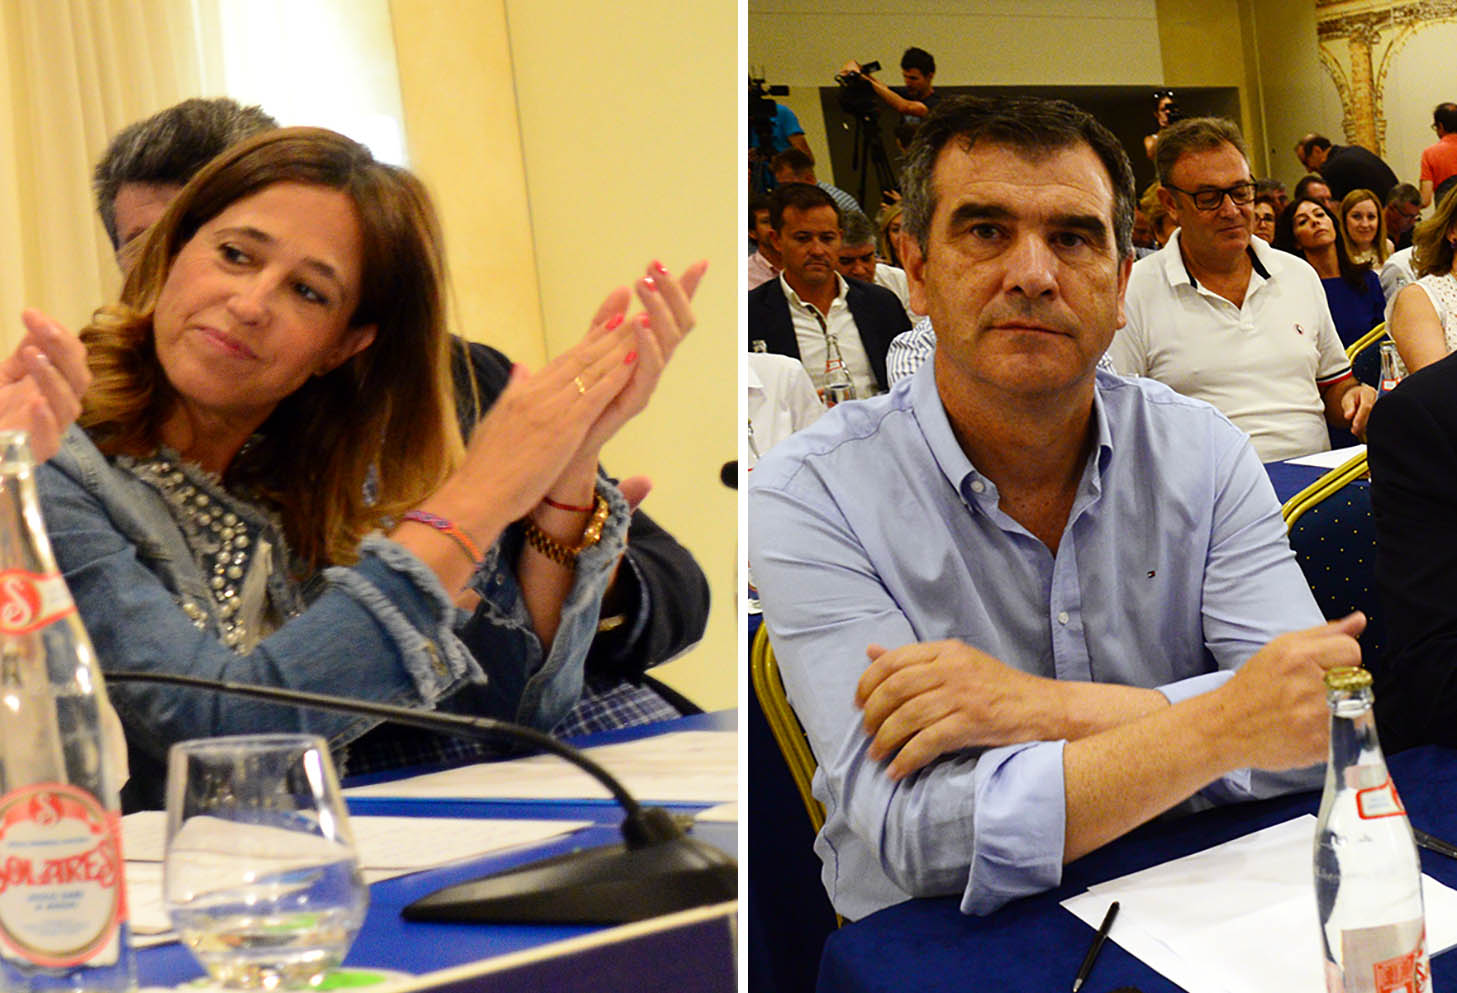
<point x="696" y="957"/>
<point x="1033" y="944"/>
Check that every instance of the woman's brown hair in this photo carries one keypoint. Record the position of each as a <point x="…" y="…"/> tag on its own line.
<point x="384" y="418"/>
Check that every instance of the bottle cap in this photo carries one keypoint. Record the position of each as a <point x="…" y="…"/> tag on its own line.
<point x="1348" y="678"/>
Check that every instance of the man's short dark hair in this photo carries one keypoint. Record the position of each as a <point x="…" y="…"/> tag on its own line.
<point x="1405" y="193"/>
<point x="919" y="58"/>
<point x="1273" y="186"/>
<point x="1035" y="127"/>
<point x="1302" y="188"/>
<point x="856" y="229"/>
<point x="802" y="197"/>
<point x="170" y="147"/>
<point x="1194" y="134"/>
<point x="1304" y="145"/>
<point x="793" y="159"/>
<point x="1445" y="114"/>
<point x="758" y="202"/>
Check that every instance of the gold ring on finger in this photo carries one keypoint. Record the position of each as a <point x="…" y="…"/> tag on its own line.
<point x="581" y="389"/>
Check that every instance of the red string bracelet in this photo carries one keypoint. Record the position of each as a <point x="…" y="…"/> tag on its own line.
<point x="566" y="506"/>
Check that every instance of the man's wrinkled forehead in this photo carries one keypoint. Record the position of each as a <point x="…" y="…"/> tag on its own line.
<point x="951" y="167"/>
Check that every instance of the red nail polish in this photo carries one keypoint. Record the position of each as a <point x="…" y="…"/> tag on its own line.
<point x="644" y="321"/>
<point x="658" y="268"/>
<point x="614" y="322"/>
<point x="649" y="283"/>
<point x="630" y="358"/>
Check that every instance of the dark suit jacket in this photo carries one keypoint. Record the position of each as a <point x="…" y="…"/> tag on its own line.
<point x="658" y="575"/>
<point x="878" y="315"/>
<point x="1351" y="167"/>
<point x="1412" y="438"/>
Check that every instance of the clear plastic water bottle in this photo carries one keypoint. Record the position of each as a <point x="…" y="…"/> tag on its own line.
<point x="838" y="384"/>
<point x="62" y="892"/>
<point x="1368" y="878"/>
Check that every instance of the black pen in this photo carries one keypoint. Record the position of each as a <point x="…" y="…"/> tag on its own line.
<point x="1437" y="845"/>
<point x="1097" y="946"/>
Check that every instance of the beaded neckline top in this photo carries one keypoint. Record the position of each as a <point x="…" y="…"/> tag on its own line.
<point x="235" y="542"/>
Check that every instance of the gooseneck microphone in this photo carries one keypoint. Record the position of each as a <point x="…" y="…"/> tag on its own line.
<point x="655" y="870"/>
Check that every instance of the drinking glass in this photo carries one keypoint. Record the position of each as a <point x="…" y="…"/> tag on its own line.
<point x="261" y="878"/>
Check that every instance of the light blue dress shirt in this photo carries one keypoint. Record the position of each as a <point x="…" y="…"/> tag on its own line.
<point x="873" y="526"/>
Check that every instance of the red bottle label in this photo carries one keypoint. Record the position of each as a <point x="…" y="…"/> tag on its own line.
<point x="62" y="892"/>
<point x="29" y="601"/>
<point x="1379" y="801"/>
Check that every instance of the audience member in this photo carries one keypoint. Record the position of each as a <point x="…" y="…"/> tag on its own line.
<point x="1424" y="318"/>
<point x="918" y="97"/>
<point x="279" y="342"/>
<point x="1265" y="213"/>
<point x="793" y="166"/>
<point x="857" y="260"/>
<point x="1164" y="223"/>
<point x="1403" y="210"/>
<point x="1363" y="228"/>
<point x="147" y="162"/>
<point x="764" y="264"/>
<point x="935" y="565"/>
<point x="782" y="400"/>
<point x="888" y="232"/>
<point x="1352" y="290"/>
<point x="1345" y="167"/>
<point x="1230" y="320"/>
<point x="1312" y="187"/>
<point x="1440" y="160"/>
<point x="1274" y="189"/>
<point x="1165" y="112"/>
<point x="810" y="303"/>
<point x="1413" y="457"/>
<point x="656" y="605"/>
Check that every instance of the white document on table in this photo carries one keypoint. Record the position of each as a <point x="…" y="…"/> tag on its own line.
<point x="681" y="767"/>
<point x="387" y="847"/>
<point x="1239" y="917"/>
<point x="1329" y="460"/>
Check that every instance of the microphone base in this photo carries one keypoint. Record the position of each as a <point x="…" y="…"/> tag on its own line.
<point x="612" y="884"/>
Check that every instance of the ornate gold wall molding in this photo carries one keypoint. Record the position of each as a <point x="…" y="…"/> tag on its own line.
<point x="1371" y="33"/>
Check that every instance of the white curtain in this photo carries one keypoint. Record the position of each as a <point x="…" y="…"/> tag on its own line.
<point x="74" y="73"/>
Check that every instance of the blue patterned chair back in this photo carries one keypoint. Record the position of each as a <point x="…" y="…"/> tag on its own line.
<point x="1334" y="541"/>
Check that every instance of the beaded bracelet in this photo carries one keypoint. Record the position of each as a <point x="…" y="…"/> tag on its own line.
<point x="565" y="555"/>
<point x="450" y="530"/>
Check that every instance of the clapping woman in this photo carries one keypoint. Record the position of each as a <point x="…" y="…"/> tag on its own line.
<point x="271" y="487"/>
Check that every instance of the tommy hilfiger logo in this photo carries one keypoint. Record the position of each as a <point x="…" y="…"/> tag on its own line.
<point x="1299" y="329"/>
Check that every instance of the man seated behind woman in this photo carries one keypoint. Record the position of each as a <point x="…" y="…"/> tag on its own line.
<point x="280" y="342"/>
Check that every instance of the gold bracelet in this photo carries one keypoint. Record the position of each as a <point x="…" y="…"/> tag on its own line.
<point x="566" y="555"/>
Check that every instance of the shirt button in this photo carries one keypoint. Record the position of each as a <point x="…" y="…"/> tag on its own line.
<point x="978" y="487"/>
<point x="1062" y="617"/>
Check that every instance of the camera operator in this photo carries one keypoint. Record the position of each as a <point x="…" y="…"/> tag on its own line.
<point x="772" y="123"/>
<point x="912" y="101"/>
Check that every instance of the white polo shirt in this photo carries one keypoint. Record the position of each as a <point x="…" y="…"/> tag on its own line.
<point x="811" y="329"/>
<point x="1263" y="364"/>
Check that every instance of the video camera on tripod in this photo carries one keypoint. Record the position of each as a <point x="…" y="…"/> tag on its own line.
<point x="857" y="96"/>
<point x="762" y="111"/>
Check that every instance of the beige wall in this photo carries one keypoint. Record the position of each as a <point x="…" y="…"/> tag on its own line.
<point x="570" y="144"/>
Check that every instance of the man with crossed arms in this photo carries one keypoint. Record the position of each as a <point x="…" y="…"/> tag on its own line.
<point x="1021" y="606"/>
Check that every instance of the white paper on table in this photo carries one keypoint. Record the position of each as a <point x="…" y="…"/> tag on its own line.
<point x="1238" y="917"/>
<point x="681" y="767"/>
<point x="1330" y="459"/>
<point x="387" y="847"/>
<point x="404" y="843"/>
<point x="724" y="813"/>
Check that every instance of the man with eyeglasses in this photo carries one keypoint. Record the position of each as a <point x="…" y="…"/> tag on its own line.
<point x="1225" y="318"/>
<point x="1440" y="160"/>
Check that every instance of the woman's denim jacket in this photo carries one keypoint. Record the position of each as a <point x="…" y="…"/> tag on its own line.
<point x="383" y="629"/>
